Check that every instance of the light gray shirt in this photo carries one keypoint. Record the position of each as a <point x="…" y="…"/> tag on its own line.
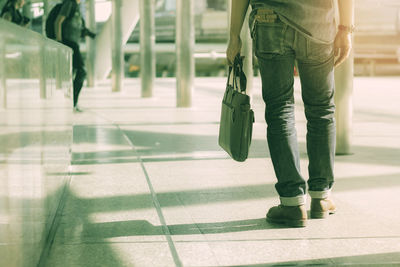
<point x="314" y="18"/>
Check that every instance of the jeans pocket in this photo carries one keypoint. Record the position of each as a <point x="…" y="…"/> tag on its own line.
<point x="268" y="37"/>
<point x="319" y="51"/>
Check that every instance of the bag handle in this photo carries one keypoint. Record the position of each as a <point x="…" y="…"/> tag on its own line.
<point x="238" y="73"/>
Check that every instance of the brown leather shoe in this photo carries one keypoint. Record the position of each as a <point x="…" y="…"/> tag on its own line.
<point x="293" y="216"/>
<point x="322" y="207"/>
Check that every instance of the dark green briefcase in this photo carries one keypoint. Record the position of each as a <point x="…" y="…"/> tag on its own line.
<point x="237" y="118"/>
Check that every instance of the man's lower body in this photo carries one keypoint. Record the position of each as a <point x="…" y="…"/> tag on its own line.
<point x="278" y="46"/>
<point x="78" y="67"/>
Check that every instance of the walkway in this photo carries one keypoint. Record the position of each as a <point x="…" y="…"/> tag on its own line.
<point x="151" y="187"/>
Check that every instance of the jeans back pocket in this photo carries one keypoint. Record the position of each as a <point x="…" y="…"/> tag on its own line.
<point x="268" y="37"/>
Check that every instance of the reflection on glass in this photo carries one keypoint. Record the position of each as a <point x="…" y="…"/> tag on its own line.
<point x="35" y="140"/>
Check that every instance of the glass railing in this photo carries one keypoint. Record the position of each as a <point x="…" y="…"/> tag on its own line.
<point x="35" y="140"/>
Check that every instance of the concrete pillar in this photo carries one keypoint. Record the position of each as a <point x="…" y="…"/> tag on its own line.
<point x="90" y="43"/>
<point x="59" y="69"/>
<point x="147" y="46"/>
<point x="185" y="40"/>
<point x="3" y="87"/>
<point x="117" y="51"/>
<point x="42" y="70"/>
<point x="344" y="74"/>
<point x="68" y="72"/>
<point x="45" y="14"/>
<point x="130" y="17"/>
<point x="344" y="105"/>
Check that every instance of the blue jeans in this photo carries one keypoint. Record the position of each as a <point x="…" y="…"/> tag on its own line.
<point x="277" y="47"/>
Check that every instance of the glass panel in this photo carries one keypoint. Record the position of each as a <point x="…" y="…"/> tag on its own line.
<point x="35" y="139"/>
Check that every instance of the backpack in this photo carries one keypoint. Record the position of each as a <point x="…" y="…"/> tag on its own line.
<point x="50" y="20"/>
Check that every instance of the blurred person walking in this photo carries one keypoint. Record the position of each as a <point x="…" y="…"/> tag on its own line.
<point x="286" y="32"/>
<point x="69" y="28"/>
<point x="10" y="12"/>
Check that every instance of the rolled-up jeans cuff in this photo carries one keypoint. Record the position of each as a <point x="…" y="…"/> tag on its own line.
<point x="320" y="194"/>
<point x="293" y="201"/>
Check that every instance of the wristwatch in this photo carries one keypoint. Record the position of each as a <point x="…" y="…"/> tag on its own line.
<point x="348" y="29"/>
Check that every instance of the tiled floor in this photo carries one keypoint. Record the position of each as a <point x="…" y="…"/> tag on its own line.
<point x="151" y="187"/>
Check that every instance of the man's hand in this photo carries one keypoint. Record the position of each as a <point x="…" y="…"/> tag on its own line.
<point x="234" y="47"/>
<point x="342" y="47"/>
<point x="87" y="32"/>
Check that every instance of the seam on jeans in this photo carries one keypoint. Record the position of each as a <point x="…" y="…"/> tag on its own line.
<point x="283" y="38"/>
<point x="294" y="45"/>
<point x="253" y="30"/>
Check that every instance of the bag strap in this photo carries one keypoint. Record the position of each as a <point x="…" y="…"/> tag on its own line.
<point x="238" y="73"/>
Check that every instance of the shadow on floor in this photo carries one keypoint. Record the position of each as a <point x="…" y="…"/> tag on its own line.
<point x="144" y="228"/>
<point x="370" y="260"/>
<point x="79" y="238"/>
<point x="155" y="147"/>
